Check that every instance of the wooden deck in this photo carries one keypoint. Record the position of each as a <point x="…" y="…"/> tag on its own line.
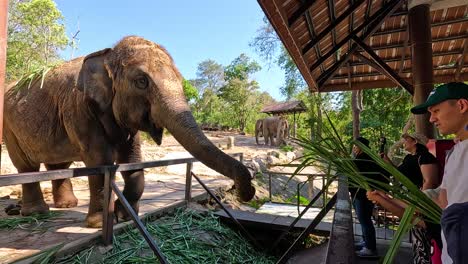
<point x="274" y="222"/>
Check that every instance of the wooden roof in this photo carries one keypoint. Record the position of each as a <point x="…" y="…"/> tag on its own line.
<point x="327" y="41"/>
<point x="285" y="108"/>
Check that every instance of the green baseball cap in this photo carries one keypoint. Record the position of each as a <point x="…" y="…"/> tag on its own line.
<point x="453" y="90"/>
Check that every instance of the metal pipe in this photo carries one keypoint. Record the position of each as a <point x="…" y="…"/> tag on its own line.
<point x="139" y="224"/>
<point x="249" y="236"/>
<point x="188" y="182"/>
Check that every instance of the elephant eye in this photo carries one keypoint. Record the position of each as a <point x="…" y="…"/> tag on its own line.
<point x="141" y="82"/>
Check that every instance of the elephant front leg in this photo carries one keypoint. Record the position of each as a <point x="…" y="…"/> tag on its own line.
<point x="134" y="180"/>
<point x="33" y="201"/>
<point x="62" y="190"/>
<point x="133" y="190"/>
<point x="96" y="187"/>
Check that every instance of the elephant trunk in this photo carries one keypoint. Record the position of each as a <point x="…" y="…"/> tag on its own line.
<point x="178" y="119"/>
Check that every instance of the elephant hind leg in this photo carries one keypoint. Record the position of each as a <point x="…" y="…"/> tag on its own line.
<point x="32" y="200"/>
<point x="62" y="190"/>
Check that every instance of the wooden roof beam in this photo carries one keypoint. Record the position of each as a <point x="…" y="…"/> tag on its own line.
<point x="311" y="28"/>
<point x="385" y="83"/>
<point x="399" y="45"/>
<point x="461" y="61"/>
<point x="396" y="59"/>
<point x="378" y="73"/>
<point x="300" y="11"/>
<point x="373" y="24"/>
<point x="330" y="27"/>
<point x="331" y="16"/>
<point x="371" y="63"/>
<point x="436" y="24"/>
<point x="381" y="66"/>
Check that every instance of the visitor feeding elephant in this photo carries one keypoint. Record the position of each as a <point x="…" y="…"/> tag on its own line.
<point x="90" y="109"/>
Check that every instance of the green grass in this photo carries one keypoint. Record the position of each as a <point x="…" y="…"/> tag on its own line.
<point x="302" y="200"/>
<point x="185" y="237"/>
<point x="258" y="203"/>
<point x="10" y="223"/>
<point x="286" y="148"/>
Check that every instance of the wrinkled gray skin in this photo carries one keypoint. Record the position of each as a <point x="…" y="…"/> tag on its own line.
<point x="275" y="126"/>
<point x="90" y="109"/>
<point x="258" y="129"/>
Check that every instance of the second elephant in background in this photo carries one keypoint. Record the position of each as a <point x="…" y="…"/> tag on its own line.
<point x="275" y="126"/>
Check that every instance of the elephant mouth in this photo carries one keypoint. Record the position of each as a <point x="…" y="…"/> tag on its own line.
<point x="156" y="133"/>
<point x="154" y="130"/>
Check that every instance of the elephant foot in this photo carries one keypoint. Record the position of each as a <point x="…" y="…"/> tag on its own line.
<point x="94" y="220"/>
<point x="121" y="213"/>
<point x="34" y="208"/>
<point x="65" y="201"/>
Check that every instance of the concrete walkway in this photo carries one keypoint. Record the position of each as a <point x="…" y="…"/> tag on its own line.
<point x="161" y="191"/>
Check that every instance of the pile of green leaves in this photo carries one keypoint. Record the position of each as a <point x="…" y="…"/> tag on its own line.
<point x="34" y="220"/>
<point x="185" y="237"/>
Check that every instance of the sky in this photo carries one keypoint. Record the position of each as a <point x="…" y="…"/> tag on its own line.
<point x="192" y="31"/>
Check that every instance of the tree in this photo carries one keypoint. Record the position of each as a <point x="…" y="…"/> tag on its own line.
<point x="210" y="75"/>
<point x="239" y="91"/>
<point x="241" y="68"/>
<point x="269" y="47"/>
<point x="190" y="91"/>
<point x="36" y="33"/>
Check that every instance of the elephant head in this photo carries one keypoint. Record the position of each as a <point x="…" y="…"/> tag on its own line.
<point x="137" y="84"/>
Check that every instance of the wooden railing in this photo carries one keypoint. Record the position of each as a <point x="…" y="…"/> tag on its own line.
<point x="110" y="188"/>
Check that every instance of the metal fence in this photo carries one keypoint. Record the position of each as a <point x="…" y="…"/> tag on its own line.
<point x="110" y="188"/>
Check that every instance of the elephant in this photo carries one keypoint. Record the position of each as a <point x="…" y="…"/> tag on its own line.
<point x="275" y="126"/>
<point x="258" y="129"/>
<point x="91" y="109"/>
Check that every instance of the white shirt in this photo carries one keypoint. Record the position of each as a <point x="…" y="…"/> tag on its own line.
<point x="455" y="181"/>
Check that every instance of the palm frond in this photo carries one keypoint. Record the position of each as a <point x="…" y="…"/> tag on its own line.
<point x="33" y="76"/>
<point x="405" y="224"/>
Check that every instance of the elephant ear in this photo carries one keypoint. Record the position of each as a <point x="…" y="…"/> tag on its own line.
<point x="94" y="79"/>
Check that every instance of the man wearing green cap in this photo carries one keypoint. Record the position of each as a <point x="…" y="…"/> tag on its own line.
<point x="448" y="106"/>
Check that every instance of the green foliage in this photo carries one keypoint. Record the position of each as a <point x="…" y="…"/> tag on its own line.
<point x="403" y="228"/>
<point x="257" y="203"/>
<point x="302" y="200"/>
<point x="241" y="68"/>
<point x="185" y="237"/>
<point x="210" y="76"/>
<point x="228" y="96"/>
<point x="189" y="90"/>
<point x="10" y="223"/>
<point x="286" y="148"/>
<point x="269" y="47"/>
<point x="36" y="33"/>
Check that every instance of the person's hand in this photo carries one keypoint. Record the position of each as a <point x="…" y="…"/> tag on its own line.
<point x="385" y="157"/>
<point x="372" y="195"/>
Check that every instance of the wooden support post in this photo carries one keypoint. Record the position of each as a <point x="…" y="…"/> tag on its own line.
<point x="421" y="51"/>
<point x="3" y="47"/>
<point x="108" y="214"/>
<point x="188" y="182"/>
